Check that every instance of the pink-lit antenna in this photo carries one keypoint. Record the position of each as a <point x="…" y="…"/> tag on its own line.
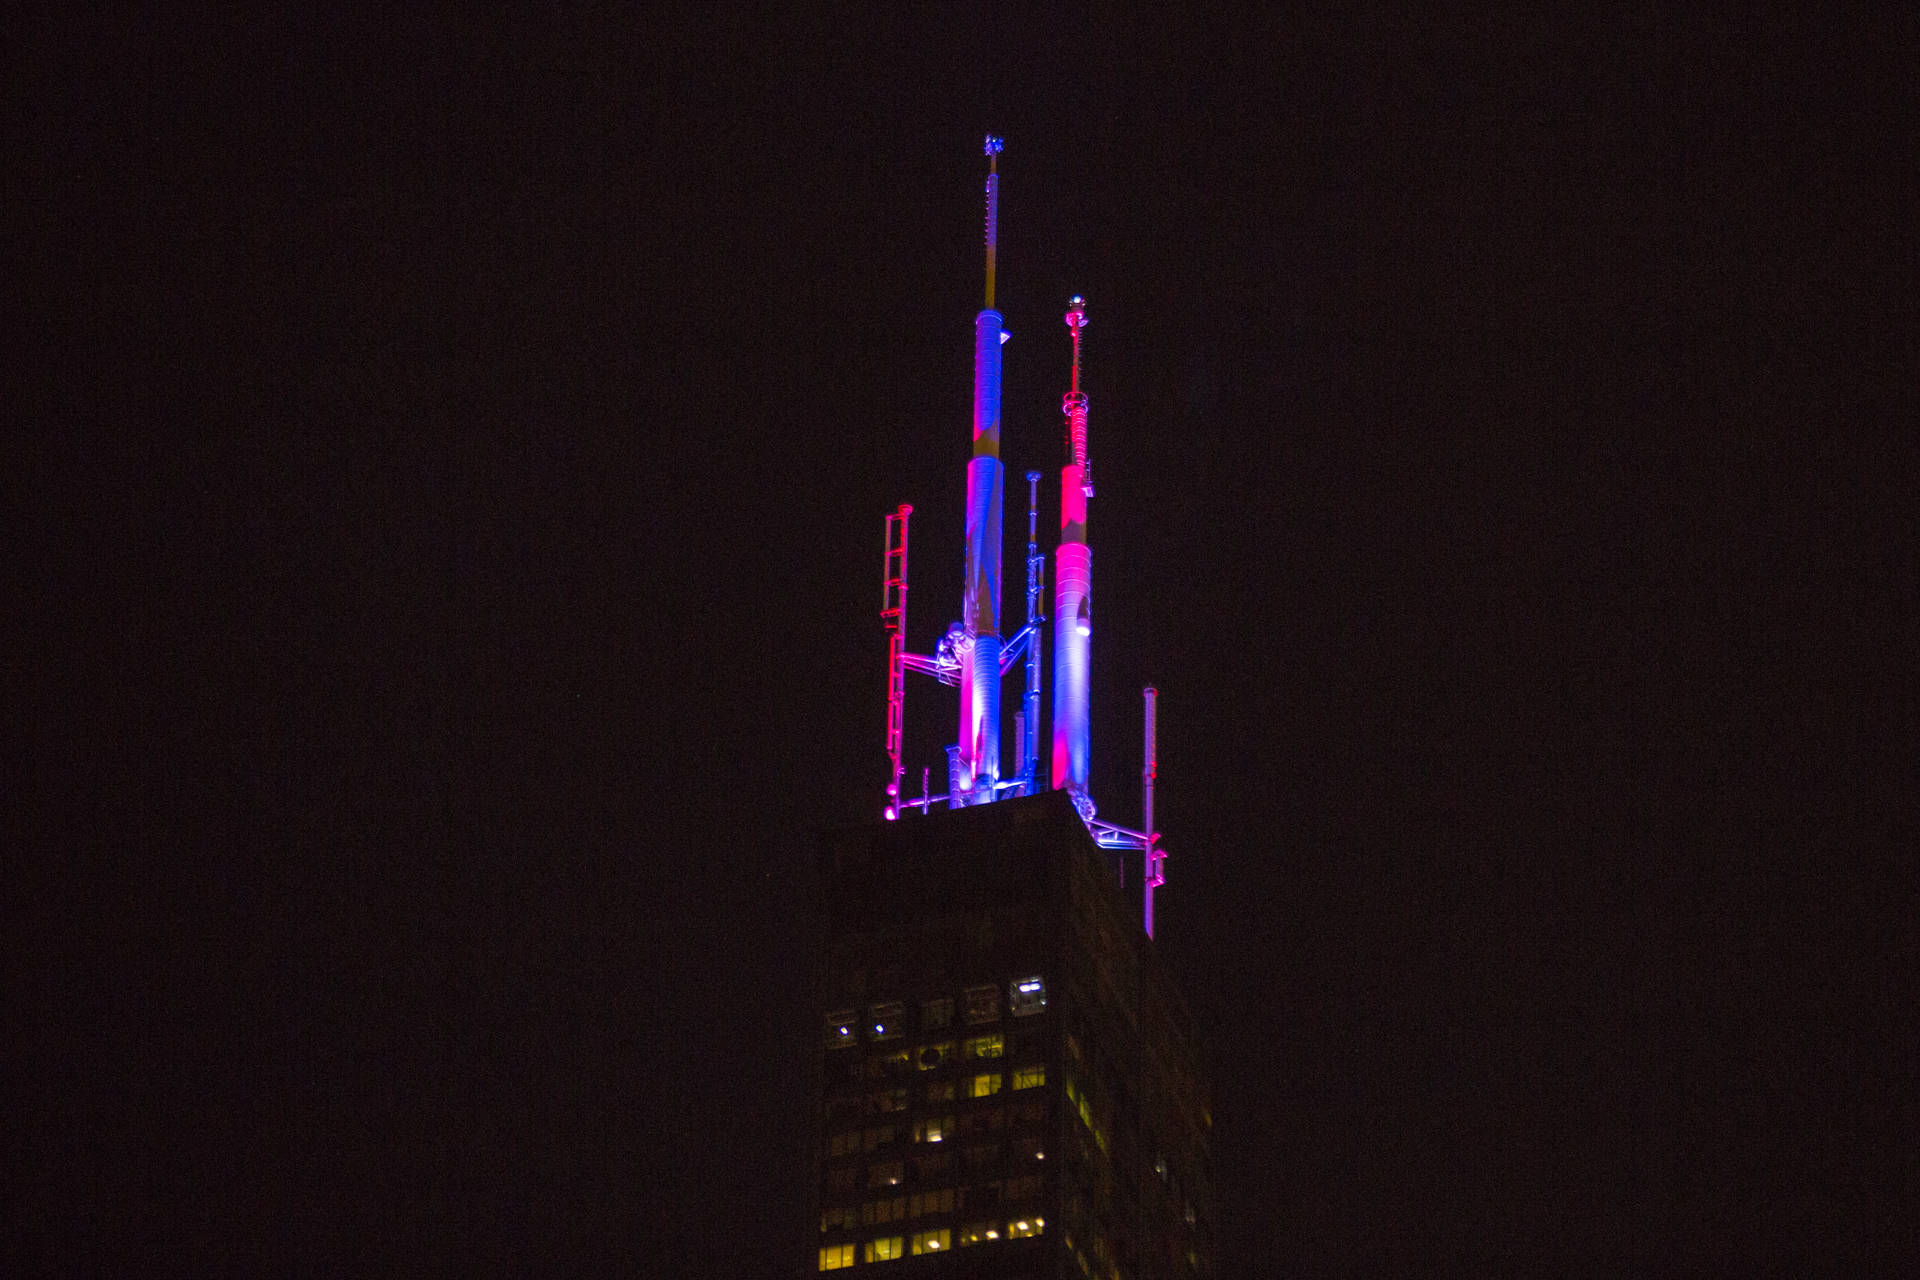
<point x="1073" y="593"/>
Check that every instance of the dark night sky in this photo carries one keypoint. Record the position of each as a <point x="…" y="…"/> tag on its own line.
<point x="446" y="514"/>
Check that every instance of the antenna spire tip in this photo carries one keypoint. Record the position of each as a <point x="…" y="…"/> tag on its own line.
<point x="995" y="145"/>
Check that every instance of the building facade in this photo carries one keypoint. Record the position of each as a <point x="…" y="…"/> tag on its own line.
<point x="1008" y="1082"/>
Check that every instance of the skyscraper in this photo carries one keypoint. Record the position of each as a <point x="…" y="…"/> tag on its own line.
<point x="1008" y="1076"/>
<point x="1009" y="1085"/>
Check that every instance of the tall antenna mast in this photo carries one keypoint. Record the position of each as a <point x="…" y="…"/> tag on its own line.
<point x="975" y="776"/>
<point x="1073" y="592"/>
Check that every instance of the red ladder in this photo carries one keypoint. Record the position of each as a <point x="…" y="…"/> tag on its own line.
<point x="893" y="612"/>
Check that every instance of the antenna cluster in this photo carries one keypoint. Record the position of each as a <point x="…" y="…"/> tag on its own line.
<point x="972" y="655"/>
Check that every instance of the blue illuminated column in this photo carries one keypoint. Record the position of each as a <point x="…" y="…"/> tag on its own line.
<point x="979" y="746"/>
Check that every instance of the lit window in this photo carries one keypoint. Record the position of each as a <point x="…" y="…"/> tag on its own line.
<point x="936" y="1013"/>
<point x="987" y="1046"/>
<point x="983" y="1004"/>
<point x="884" y="1248"/>
<point x="933" y="1129"/>
<point x="932" y="1241"/>
<point x="840" y="1032"/>
<point x="1026" y="996"/>
<point x="978" y="1233"/>
<point x="1026" y="1226"/>
<point x="886" y="1021"/>
<point x="888" y="1173"/>
<point x="835" y="1256"/>
<point x="940" y="1091"/>
<point x="935" y="1055"/>
<point x="1029" y="1077"/>
<point x="984" y="1085"/>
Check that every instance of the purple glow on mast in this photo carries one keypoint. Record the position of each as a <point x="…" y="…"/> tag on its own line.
<point x="978" y="769"/>
<point x="1073" y="593"/>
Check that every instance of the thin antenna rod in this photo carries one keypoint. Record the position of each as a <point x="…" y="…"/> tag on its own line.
<point x="994" y="147"/>
<point x="1036" y="571"/>
<point x="1151" y="873"/>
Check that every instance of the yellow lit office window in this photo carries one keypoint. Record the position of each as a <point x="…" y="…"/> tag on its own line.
<point x="1026" y="1226"/>
<point x="886" y="1248"/>
<point x="1029" y="1077"/>
<point x="988" y="1046"/>
<point x="934" y="1055"/>
<point x="835" y="1256"/>
<point x="985" y="1085"/>
<point x="933" y="1129"/>
<point x="979" y="1232"/>
<point x="932" y="1241"/>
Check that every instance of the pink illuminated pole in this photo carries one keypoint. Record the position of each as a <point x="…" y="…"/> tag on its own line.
<point x="977" y="769"/>
<point x="1073" y="592"/>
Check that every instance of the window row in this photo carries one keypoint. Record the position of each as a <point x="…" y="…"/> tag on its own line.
<point x="886" y="1248"/>
<point x="888" y="1020"/>
<point x="893" y="1209"/>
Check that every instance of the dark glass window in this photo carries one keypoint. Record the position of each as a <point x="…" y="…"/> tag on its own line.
<point x="886" y="1021"/>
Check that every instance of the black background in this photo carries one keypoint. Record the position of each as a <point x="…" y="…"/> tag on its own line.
<point x="447" y="496"/>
